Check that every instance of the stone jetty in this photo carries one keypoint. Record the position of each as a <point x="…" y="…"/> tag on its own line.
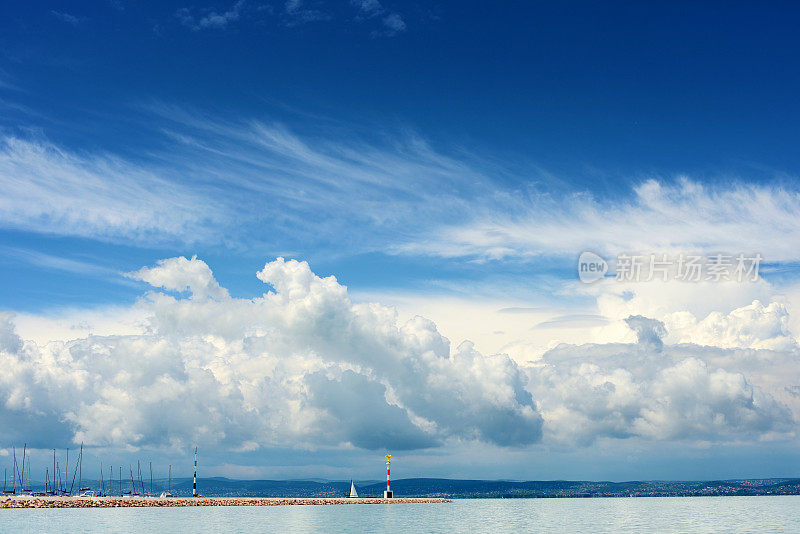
<point x="24" y="501"/>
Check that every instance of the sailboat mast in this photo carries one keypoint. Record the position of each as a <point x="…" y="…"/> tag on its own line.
<point x="22" y="482"/>
<point x="151" y="479"/>
<point x="74" y="474"/>
<point x="19" y="476"/>
<point x="80" y="469"/>
<point x="14" y="471"/>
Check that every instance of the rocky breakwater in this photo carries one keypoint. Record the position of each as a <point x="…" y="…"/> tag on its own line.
<point x="134" y="502"/>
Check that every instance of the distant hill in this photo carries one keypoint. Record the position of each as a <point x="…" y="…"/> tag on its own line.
<point x="438" y="487"/>
<point x="443" y="487"/>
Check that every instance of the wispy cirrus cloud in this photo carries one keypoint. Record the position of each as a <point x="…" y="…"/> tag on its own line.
<point x="394" y="24"/>
<point x="392" y="21"/>
<point x="577" y="320"/>
<point x="58" y="263"/>
<point x="207" y="179"/>
<point x="211" y="179"/>
<point x="290" y="14"/>
<point x="49" y="190"/>
<point x="368" y="7"/>
<point x="69" y="18"/>
<point x="327" y="181"/>
<point x="202" y="19"/>
<point x="660" y="216"/>
<point x="299" y="12"/>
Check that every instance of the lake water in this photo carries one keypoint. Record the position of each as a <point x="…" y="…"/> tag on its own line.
<point x="673" y="514"/>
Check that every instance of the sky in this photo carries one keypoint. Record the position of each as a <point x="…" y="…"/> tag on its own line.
<point x="302" y="234"/>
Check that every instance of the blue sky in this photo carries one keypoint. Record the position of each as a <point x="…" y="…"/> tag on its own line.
<point x="449" y="160"/>
<point x="539" y="98"/>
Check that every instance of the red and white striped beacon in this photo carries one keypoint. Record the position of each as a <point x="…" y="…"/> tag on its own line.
<point x="388" y="493"/>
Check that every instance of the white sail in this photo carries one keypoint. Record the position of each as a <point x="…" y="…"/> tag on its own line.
<point x="353" y="492"/>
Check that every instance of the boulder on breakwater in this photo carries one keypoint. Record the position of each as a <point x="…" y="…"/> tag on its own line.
<point x="135" y="502"/>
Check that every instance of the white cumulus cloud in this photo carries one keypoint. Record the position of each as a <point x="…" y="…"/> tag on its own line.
<point x="660" y="392"/>
<point x="303" y="365"/>
<point x="181" y="274"/>
<point x="300" y="366"/>
<point x="756" y="326"/>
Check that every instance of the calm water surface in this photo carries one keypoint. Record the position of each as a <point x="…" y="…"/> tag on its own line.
<point x="675" y="514"/>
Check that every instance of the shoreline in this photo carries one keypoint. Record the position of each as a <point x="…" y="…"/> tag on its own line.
<point x="22" y="502"/>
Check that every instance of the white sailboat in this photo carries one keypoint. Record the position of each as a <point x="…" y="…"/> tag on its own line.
<point x="353" y="492"/>
<point x="167" y="494"/>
